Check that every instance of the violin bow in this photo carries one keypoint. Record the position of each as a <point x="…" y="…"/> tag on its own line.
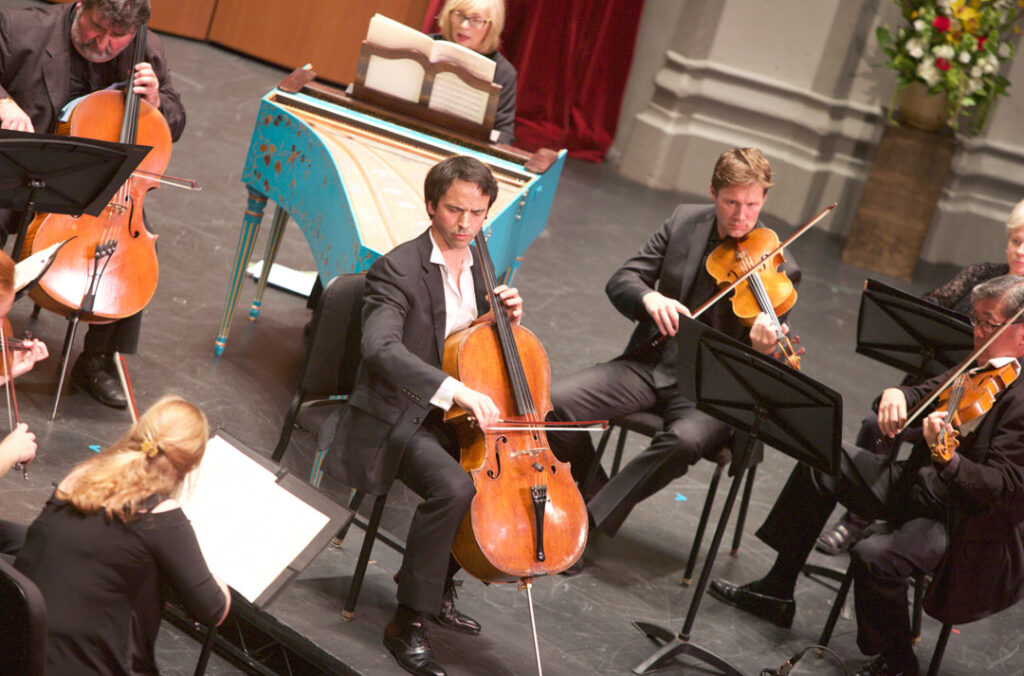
<point x="13" y="418"/>
<point x="964" y="365"/>
<point x="789" y="240"/>
<point x="126" y="385"/>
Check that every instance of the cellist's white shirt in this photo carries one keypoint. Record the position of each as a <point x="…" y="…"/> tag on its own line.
<point x="459" y="312"/>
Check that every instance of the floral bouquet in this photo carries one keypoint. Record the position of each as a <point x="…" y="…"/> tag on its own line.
<point x="956" y="47"/>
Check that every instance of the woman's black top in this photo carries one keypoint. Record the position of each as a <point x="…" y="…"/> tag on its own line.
<point x="105" y="583"/>
<point x="956" y="293"/>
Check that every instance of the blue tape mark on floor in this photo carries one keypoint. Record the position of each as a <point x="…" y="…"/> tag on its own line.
<point x="680" y="497"/>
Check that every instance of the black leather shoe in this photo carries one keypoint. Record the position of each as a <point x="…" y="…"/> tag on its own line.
<point x="776" y="610"/>
<point x="94" y="372"/>
<point x="450" y="617"/>
<point x="882" y="667"/>
<point x="409" y="643"/>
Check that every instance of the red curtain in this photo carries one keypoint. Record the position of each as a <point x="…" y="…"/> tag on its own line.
<point x="573" y="58"/>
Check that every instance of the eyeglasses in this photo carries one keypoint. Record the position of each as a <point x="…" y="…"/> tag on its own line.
<point x="987" y="326"/>
<point x="458" y="17"/>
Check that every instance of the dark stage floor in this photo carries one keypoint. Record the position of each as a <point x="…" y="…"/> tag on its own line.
<point x="598" y="220"/>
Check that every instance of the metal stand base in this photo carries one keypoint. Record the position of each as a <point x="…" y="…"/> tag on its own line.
<point x="672" y="646"/>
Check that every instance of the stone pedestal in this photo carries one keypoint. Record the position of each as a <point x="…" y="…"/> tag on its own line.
<point x="906" y="179"/>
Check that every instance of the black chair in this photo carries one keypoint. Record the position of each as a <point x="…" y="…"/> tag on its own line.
<point x="22" y="624"/>
<point x="920" y="584"/>
<point x="328" y="377"/>
<point x="332" y="358"/>
<point x="649" y="424"/>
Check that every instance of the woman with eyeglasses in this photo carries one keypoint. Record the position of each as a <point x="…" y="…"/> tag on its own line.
<point x="954" y="295"/>
<point x="477" y="25"/>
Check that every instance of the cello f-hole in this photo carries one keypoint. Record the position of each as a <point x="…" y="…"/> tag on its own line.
<point x="498" y="440"/>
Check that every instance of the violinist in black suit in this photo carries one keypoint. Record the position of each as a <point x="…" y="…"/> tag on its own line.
<point x="416" y="296"/>
<point x="666" y="279"/>
<point x="981" y="483"/>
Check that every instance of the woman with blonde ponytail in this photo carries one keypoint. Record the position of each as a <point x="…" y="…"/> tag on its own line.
<point x="113" y="538"/>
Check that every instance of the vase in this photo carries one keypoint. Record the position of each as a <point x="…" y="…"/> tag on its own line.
<point x="922" y="110"/>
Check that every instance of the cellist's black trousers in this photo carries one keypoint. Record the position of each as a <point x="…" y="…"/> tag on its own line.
<point x="119" y="336"/>
<point x="617" y="388"/>
<point x="430" y="469"/>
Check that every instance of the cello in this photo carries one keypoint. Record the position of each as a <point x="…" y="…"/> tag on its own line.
<point x="527" y="517"/>
<point x="109" y="270"/>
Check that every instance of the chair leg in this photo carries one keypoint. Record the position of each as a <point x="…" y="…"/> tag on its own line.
<point x="353" y="504"/>
<point x="742" y="516"/>
<point x="619" y="447"/>
<point x="364" y="559"/>
<point x="705" y="514"/>
<point x="940" y="649"/>
<point x="837" y="607"/>
<point x="286" y="428"/>
<point x="595" y="463"/>
<point x="915" y="626"/>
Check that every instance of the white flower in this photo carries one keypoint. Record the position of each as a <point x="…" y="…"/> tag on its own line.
<point x="975" y="72"/>
<point x="965" y="57"/>
<point x="927" y="71"/>
<point x="974" y="85"/>
<point x="944" y="6"/>
<point x="915" y="48"/>
<point x="920" y="25"/>
<point x="1004" y="51"/>
<point x="944" y="52"/>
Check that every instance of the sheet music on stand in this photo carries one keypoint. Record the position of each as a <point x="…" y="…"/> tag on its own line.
<point x="258" y="525"/>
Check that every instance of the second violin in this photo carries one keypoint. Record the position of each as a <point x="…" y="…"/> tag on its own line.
<point x="768" y="290"/>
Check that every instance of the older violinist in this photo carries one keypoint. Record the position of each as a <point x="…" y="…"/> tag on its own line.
<point x="954" y="295"/>
<point x="664" y="280"/>
<point x="916" y="498"/>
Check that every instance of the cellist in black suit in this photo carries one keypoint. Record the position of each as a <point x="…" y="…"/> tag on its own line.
<point x="416" y="296"/>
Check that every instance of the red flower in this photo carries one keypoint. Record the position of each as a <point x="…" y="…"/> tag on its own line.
<point x="942" y="64"/>
<point x="941" y="23"/>
<point x="981" y="42"/>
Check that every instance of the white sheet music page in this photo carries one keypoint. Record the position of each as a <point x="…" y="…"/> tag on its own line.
<point x="249" y="528"/>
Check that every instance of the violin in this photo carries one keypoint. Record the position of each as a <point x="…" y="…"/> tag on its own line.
<point x="109" y="270"/>
<point x="768" y="290"/>
<point x="970" y="397"/>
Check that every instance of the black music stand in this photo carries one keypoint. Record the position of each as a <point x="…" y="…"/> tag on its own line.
<point x="61" y="174"/>
<point x="769" y="401"/>
<point x="920" y="338"/>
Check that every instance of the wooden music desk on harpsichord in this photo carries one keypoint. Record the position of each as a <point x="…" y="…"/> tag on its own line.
<point x="351" y="175"/>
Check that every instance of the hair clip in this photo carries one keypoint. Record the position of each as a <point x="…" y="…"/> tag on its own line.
<point x="150" y="449"/>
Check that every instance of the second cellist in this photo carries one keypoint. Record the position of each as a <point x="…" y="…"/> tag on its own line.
<point x="43" y="71"/>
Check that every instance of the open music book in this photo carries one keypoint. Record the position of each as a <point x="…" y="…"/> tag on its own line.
<point x="426" y="79"/>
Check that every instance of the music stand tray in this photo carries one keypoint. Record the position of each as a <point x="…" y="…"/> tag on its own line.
<point x="769" y="401"/>
<point x="61" y="174"/>
<point x="920" y="338"/>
